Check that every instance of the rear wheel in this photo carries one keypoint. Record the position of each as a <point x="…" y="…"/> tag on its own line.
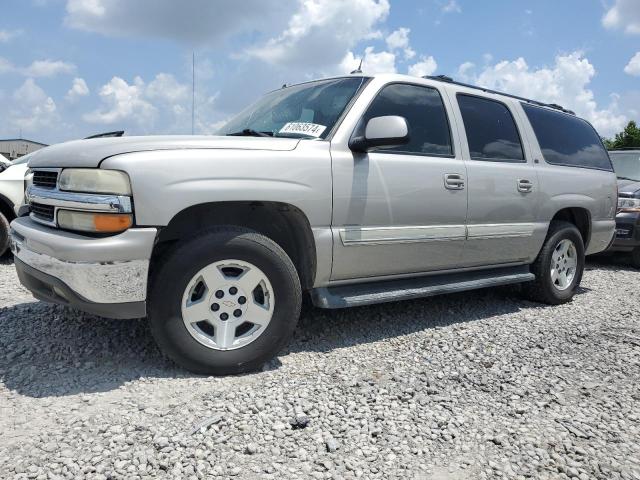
<point x="559" y="266"/>
<point x="225" y="302"/>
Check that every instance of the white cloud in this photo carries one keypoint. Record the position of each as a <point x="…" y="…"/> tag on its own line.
<point x="32" y="108"/>
<point x="38" y="68"/>
<point x="162" y="105"/>
<point x="399" y="40"/>
<point x="624" y="15"/>
<point x="48" y="68"/>
<point x="193" y="21"/>
<point x="78" y="89"/>
<point x="465" y="71"/>
<point x="372" y="63"/>
<point x="322" y="31"/>
<point x="451" y="7"/>
<point x="166" y="88"/>
<point x="565" y="83"/>
<point x="8" y="35"/>
<point x="123" y="102"/>
<point x="5" y="66"/>
<point x="426" y="66"/>
<point x="633" y="67"/>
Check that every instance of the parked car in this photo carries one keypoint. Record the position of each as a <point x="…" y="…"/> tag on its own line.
<point x="12" y="184"/>
<point x="356" y="189"/>
<point x="626" y="164"/>
<point x="4" y="163"/>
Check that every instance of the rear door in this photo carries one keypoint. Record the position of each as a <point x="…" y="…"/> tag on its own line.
<point x="502" y="182"/>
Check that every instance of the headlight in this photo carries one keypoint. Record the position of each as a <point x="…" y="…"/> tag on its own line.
<point x="94" y="222"/>
<point x="628" y="204"/>
<point x="94" y="180"/>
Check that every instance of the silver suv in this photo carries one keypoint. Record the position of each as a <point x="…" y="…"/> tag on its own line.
<point x="355" y="190"/>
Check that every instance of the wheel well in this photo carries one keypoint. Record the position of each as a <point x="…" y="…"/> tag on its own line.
<point x="6" y="208"/>
<point x="283" y="223"/>
<point x="580" y="218"/>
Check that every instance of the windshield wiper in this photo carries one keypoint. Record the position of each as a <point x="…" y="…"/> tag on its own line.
<point x="249" y="132"/>
<point x="628" y="178"/>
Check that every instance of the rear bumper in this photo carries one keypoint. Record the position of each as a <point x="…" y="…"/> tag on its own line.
<point x="105" y="276"/>
<point x="602" y="233"/>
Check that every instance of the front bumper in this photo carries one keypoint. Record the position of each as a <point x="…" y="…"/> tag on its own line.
<point x="627" y="232"/>
<point x="106" y="276"/>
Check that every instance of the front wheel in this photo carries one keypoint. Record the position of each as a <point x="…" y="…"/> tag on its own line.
<point x="225" y="302"/>
<point x="559" y="266"/>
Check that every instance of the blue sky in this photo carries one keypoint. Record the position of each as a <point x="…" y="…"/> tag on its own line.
<point x="71" y="68"/>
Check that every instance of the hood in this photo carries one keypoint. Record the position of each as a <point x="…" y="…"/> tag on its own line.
<point x="628" y="188"/>
<point x="90" y="152"/>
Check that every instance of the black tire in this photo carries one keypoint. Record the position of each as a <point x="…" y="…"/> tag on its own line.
<point x="542" y="289"/>
<point x="180" y="264"/>
<point x="4" y="234"/>
<point x="635" y="257"/>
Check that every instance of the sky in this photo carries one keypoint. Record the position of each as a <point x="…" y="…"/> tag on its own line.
<point x="73" y="68"/>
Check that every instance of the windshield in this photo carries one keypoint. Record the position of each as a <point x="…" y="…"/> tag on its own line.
<point x="309" y="110"/>
<point x="626" y="164"/>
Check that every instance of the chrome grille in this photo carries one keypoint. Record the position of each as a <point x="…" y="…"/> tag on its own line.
<point x="43" y="212"/>
<point x="45" y="178"/>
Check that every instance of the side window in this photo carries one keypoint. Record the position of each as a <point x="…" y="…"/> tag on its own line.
<point x="424" y="111"/>
<point x="566" y="139"/>
<point x="491" y="130"/>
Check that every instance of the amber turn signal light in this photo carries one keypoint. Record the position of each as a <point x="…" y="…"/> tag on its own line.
<point x="94" y="222"/>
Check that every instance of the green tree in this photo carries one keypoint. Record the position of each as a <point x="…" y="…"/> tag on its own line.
<point x="628" y="138"/>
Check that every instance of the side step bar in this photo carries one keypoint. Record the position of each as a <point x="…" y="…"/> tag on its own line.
<point x="409" y="288"/>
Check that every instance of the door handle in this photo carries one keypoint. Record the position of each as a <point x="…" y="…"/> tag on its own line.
<point x="524" y="185"/>
<point x="453" y="181"/>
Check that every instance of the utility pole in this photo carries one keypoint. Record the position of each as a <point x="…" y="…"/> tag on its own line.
<point x="193" y="92"/>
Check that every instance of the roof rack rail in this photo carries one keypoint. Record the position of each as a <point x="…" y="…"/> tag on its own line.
<point x="444" y="78"/>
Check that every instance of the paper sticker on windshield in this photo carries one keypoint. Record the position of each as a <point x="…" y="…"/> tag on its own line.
<point x="303" y="128"/>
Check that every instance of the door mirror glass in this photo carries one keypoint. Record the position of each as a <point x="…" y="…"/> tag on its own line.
<point x="388" y="131"/>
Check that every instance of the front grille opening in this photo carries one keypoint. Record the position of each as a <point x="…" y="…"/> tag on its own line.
<point x="45" y="179"/>
<point x="43" y="212"/>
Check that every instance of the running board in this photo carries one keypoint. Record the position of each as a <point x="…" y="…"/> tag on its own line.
<point x="354" y="295"/>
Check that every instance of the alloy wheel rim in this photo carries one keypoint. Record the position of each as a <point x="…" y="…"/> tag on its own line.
<point x="227" y="305"/>
<point x="564" y="263"/>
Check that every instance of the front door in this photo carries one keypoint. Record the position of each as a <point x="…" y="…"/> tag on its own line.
<point x="400" y="210"/>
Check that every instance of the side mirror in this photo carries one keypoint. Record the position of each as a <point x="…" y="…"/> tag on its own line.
<point x="388" y="131"/>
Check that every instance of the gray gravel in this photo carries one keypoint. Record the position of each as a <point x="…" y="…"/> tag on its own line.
<point x="468" y="386"/>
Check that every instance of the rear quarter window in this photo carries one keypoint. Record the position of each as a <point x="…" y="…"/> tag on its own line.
<point x="567" y="140"/>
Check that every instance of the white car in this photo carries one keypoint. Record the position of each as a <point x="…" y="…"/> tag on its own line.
<point x="11" y="197"/>
<point x="4" y="163"/>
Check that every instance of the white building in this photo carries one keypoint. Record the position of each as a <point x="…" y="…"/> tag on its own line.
<point x="13" y="148"/>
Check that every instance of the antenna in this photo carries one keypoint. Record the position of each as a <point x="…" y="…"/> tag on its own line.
<point x="193" y="91"/>
<point x="359" y="69"/>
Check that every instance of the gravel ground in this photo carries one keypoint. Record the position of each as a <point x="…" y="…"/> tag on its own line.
<point x="467" y="386"/>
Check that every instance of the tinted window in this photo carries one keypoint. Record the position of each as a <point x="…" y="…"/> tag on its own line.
<point x="567" y="140"/>
<point x="424" y="111"/>
<point x="491" y="131"/>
